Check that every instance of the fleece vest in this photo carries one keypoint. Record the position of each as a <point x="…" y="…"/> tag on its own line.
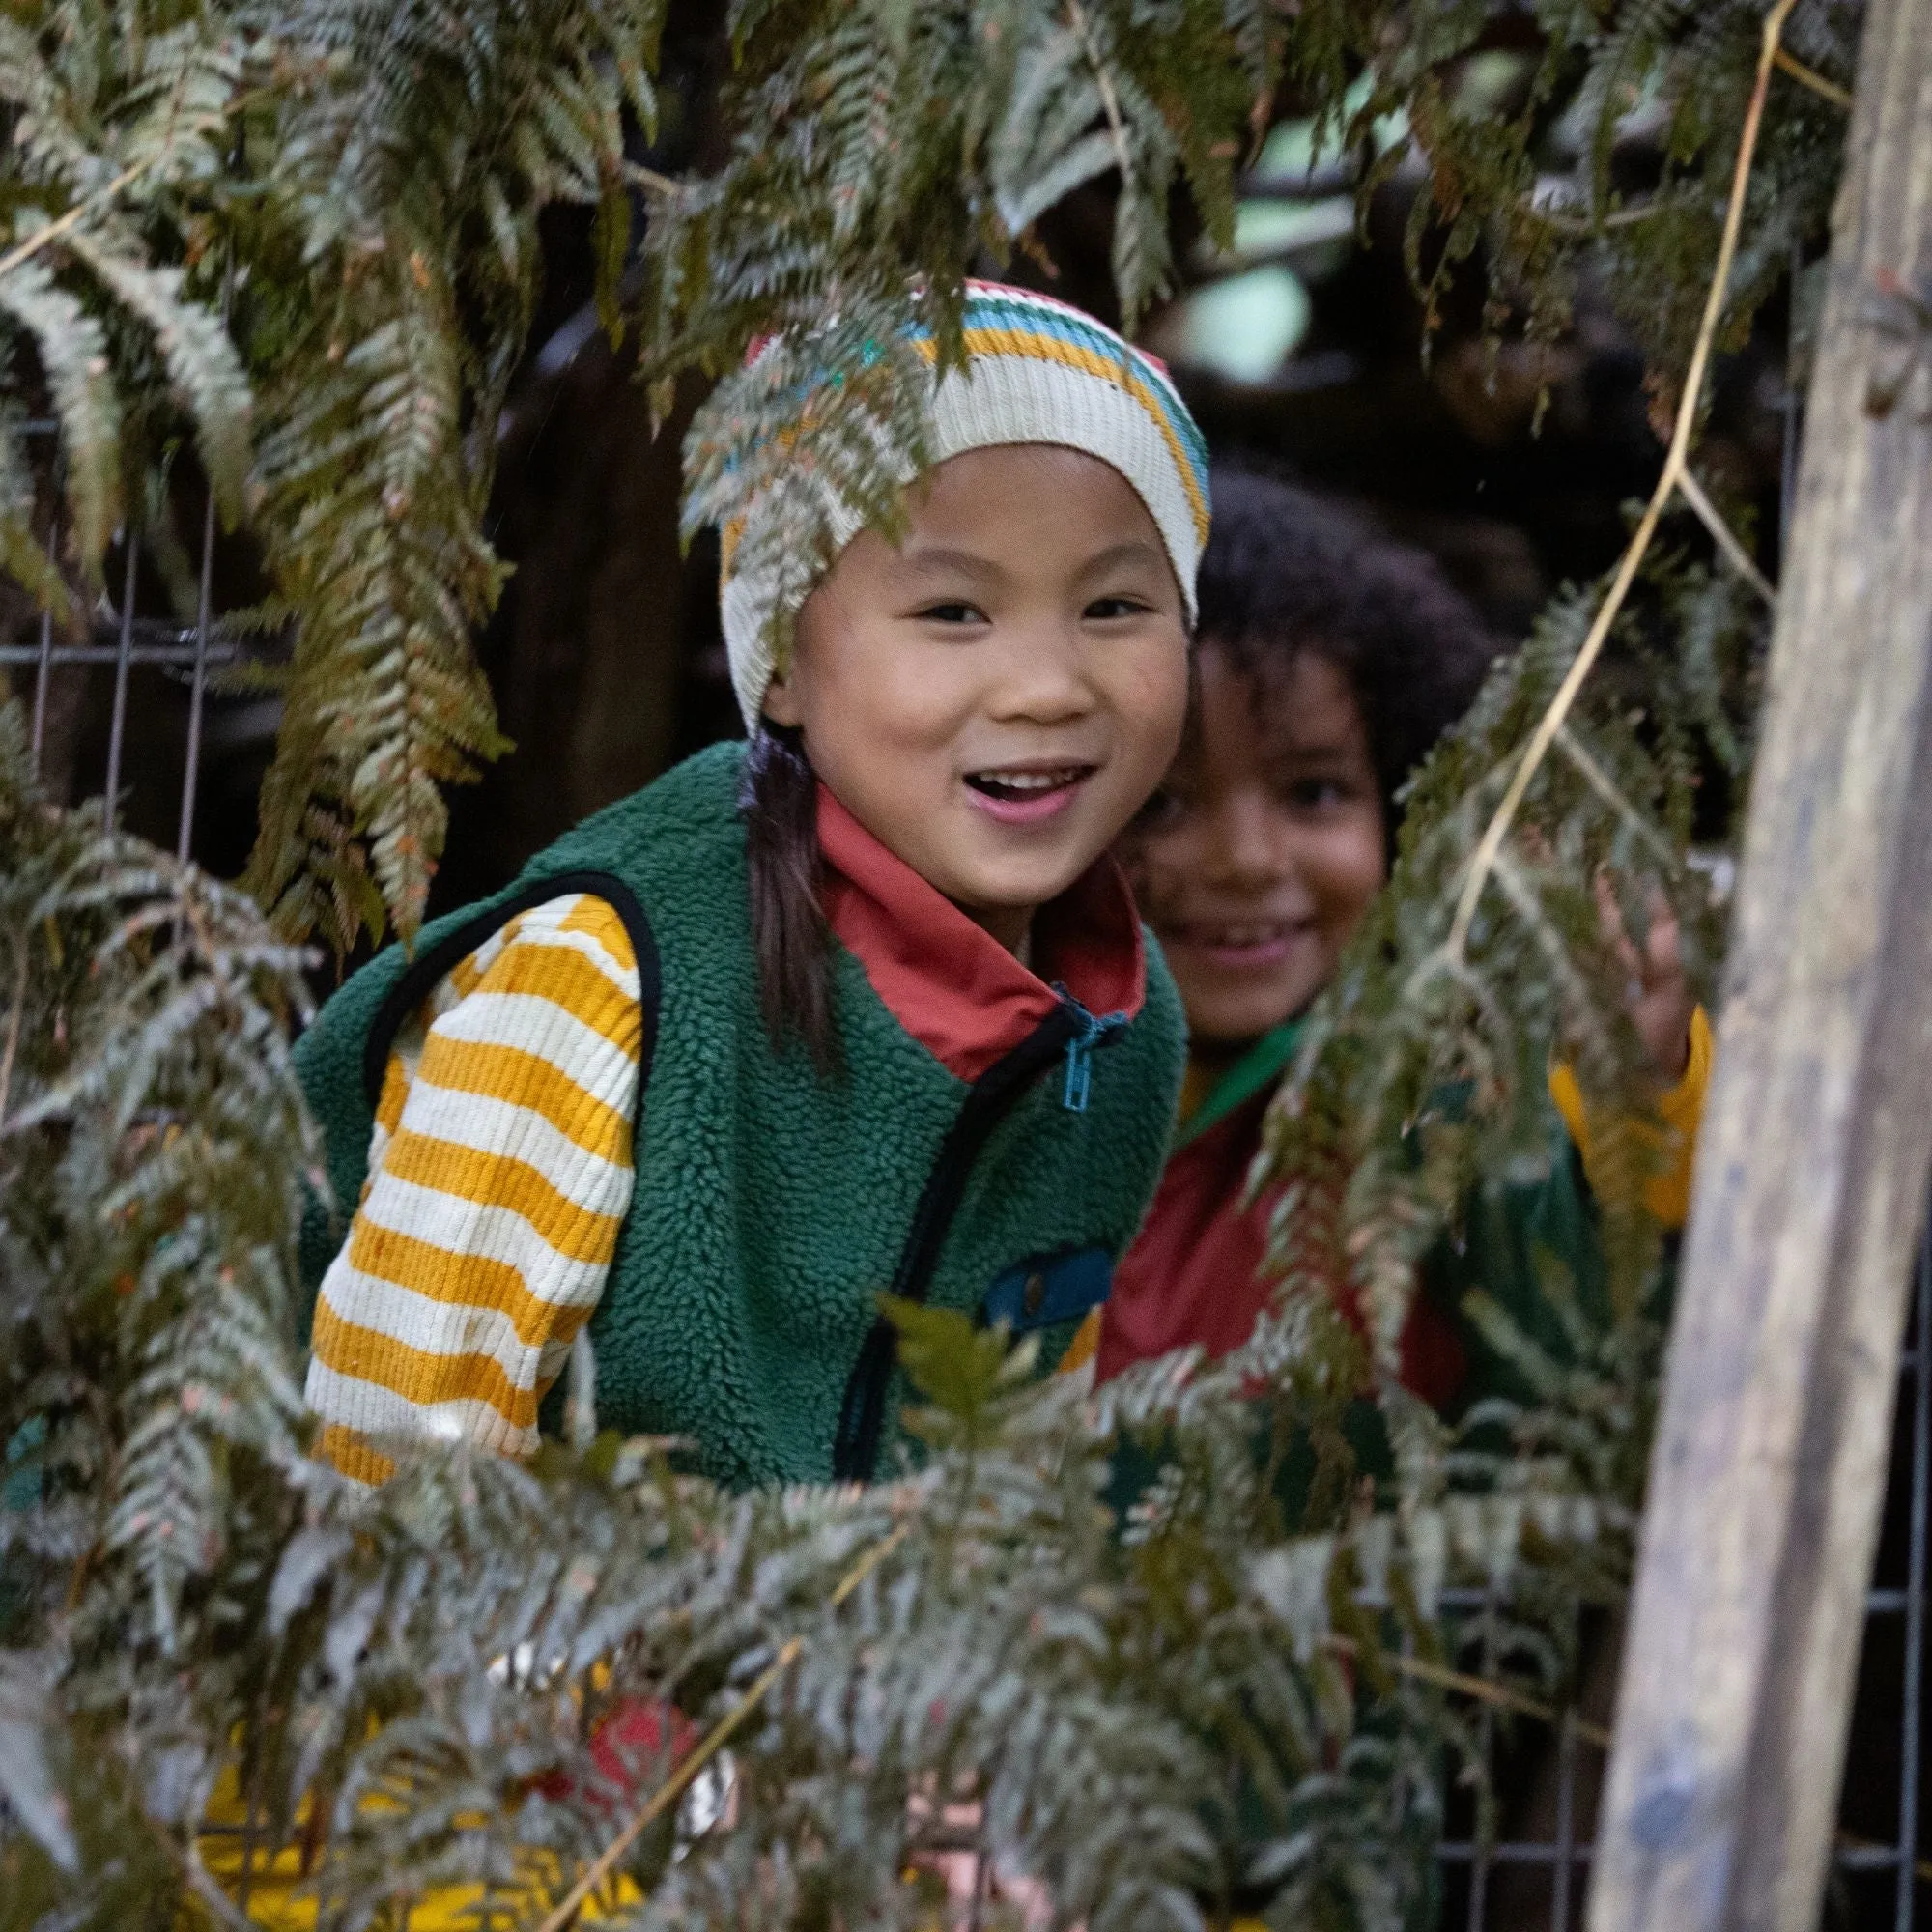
<point x="773" y="1203"/>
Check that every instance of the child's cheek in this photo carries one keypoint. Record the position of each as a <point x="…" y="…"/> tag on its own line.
<point x="1155" y="711"/>
<point x="1156" y="869"/>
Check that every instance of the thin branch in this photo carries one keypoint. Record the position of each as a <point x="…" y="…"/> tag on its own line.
<point x="1566" y="223"/>
<point x="1810" y="77"/>
<point x="73" y="218"/>
<point x="1482" y="1689"/>
<point x="714" y="1741"/>
<point x="1483" y="863"/>
<point x="1724" y="537"/>
<point x="218" y="1905"/>
<point x="1605" y="787"/>
<point x="651" y="180"/>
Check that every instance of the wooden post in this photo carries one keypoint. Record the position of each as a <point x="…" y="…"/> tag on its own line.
<point x="1769" y="1469"/>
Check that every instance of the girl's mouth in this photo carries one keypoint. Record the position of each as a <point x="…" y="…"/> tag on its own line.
<point x="1238" y="946"/>
<point x="1023" y="795"/>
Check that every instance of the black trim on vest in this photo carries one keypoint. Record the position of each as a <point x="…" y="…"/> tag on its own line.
<point x="855" y="1449"/>
<point x="419" y="977"/>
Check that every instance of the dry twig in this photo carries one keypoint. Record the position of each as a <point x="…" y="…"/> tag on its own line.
<point x="16" y="1012"/>
<point x="73" y="218"/>
<point x="1810" y="77"/>
<point x="1724" y="537"/>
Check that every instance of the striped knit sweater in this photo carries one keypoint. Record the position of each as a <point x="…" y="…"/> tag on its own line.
<point x="499" y="1174"/>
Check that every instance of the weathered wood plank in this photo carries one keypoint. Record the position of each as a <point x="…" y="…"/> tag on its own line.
<point x="1768" y="1474"/>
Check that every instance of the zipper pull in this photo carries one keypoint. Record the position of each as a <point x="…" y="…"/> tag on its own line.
<point x="1092" y="1029"/>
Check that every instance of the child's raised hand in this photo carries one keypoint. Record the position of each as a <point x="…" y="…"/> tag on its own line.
<point x="1658" y="990"/>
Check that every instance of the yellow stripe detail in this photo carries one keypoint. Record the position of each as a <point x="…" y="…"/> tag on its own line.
<point x="419" y="1375"/>
<point x="1084" y="1344"/>
<point x="347" y="1451"/>
<point x="1042" y="348"/>
<point x="566" y="978"/>
<point x="466" y="975"/>
<point x="395" y="1091"/>
<point x="501" y="1181"/>
<point x="1612" y="1145"/>
<point x="523" y="1079"/>
<point x="460" y="1281"/>
<point x="598" y="918"/>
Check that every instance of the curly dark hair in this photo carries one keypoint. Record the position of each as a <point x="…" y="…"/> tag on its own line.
<point x="1288" y="571"/>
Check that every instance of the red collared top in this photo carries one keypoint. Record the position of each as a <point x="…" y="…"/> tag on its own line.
<point x="949" y="981"/>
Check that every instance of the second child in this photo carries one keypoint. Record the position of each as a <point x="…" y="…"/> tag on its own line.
<point x="1329" y="661"/>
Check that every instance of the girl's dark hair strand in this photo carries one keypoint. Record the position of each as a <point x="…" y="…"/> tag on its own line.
<point x="778" y="798"/>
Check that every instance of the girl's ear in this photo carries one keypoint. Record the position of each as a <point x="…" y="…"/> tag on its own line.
<point x="781" y="703"/>
<point x="780" y="700"/>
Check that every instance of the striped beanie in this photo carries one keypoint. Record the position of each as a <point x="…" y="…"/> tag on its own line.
<point x="1038" y="371"/>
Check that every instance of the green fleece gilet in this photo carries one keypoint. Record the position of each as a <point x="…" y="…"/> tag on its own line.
<point x="773" y="1204"/>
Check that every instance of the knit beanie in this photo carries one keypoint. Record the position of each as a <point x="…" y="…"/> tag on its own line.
<point x="1038" y="371"/>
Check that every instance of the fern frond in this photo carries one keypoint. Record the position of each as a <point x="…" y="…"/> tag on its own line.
<point x="201" y="359"/>
<point x="72" y="347"/>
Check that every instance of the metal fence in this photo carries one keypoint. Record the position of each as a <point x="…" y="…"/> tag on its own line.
<point x="1531" y="1870"/>
<point x="138" y="702"/>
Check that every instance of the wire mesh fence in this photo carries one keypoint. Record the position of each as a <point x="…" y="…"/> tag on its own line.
<point x="128" y="711"/>
<point x="1525" y="1867"/>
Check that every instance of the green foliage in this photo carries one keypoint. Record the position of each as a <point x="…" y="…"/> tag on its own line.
<point x="1148" y="1648"/>
<point x="107" y="130"/>
<point x="1604" y="151"/>
<point x="305" y="237"/>
<point x="403" y="166"/>
<point x="1425" y="1074"/>
<point x="410" y="1682"/>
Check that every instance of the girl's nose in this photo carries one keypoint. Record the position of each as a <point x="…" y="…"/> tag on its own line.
<point x="1246" y="850"/>
<point x="1042" y="677"/>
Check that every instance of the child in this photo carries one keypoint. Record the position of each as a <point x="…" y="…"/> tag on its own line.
<point x="1329" y="661"/>
<point x="861" y="1005"/>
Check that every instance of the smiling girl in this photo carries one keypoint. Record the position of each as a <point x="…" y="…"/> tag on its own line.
<point x="1329" y="661"/>
<point x="859" y="1005"/>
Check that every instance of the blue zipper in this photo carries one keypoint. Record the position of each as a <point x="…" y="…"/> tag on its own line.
<point x="1091" y="1029"/>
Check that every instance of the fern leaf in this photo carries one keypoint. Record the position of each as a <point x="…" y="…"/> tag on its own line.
<point x="201" y="359"/>
<point x="72" y="351"/>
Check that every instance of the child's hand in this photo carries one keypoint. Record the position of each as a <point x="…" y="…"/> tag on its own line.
<point x="1659" y="994"/>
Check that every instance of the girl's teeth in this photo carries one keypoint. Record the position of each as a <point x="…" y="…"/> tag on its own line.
<point x="1028" y="780"/>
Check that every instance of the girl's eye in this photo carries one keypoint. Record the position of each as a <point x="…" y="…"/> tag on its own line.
<point x="1103" y="607"/>
<point x="1315" y="794"/>
<point x="1166" y="808"/>
<point x="951" y="611"/>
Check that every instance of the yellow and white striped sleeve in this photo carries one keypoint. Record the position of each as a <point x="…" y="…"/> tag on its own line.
<point x="499" y="1174"/>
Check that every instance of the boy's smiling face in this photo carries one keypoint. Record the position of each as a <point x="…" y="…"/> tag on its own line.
<point x="1264" y="849"/>
<point x="994" y="698"/>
